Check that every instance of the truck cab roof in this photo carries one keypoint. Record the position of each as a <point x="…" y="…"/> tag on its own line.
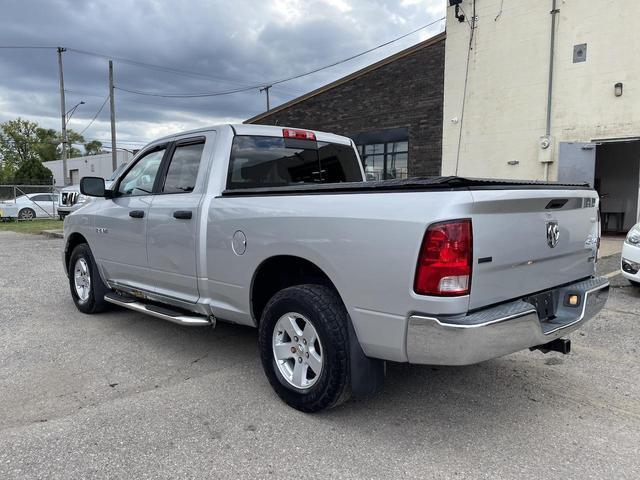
<point x="261" y="130"/>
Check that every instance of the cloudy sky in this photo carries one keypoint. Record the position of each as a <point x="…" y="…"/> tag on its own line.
<point x="196" y="46"/>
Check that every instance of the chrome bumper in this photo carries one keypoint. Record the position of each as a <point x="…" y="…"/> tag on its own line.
<point x="500" y="330"/>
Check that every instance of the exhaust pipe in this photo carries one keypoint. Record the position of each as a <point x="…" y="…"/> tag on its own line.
<point x="562" y="345"/>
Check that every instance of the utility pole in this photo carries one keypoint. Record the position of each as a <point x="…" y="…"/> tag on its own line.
<point x="63" y="115"/>
<point x="266" y="89"/>
<point x="112" y="104"/>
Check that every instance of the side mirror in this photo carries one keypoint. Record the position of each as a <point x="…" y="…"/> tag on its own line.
<point x="92" y="186"/>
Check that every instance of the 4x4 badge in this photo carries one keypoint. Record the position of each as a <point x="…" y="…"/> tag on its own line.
<point x="553" y="234"/>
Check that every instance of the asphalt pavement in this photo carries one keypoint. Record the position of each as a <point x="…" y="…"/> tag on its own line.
<point x="123" y="395"/>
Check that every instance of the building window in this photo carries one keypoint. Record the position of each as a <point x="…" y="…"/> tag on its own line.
<point x="384" y="161"/>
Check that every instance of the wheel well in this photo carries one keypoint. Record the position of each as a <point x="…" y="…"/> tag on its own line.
<point x="75" y="239"/>
<point x="280" y="272"/>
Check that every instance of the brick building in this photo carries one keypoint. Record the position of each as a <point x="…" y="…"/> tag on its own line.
<point x="392" y="110"/>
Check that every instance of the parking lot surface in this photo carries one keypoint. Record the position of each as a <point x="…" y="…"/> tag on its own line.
<point x="123" y="395"/>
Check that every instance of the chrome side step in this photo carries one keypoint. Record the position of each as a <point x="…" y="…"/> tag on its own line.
<point x="158" y="312"/>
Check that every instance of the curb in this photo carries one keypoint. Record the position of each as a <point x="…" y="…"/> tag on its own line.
<point x="52" y="233"/>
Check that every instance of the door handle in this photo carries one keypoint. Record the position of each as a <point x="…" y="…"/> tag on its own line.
<point x="183" y="214"/>
<point x="136" y="213"/>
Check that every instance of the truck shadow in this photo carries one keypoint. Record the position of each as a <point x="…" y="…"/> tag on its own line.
<point x="507" y="391"/>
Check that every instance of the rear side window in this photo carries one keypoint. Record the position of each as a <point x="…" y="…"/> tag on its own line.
<point x="41" y="198"/>
<point x="258" y="161"/>
<point x="183" y="169"/>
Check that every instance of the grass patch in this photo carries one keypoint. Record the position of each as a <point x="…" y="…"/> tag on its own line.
<point x="34" y="226"/>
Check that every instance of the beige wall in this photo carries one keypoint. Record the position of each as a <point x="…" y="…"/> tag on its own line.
<point x="505" y="111"/>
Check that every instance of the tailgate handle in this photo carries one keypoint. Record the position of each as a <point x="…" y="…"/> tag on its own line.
<point x="183" y="214"/>
<point x="136" y="213"/>
<point x="556" y="203"/>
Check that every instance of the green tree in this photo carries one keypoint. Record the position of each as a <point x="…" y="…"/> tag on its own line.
<point x="32" y="171"/>
<point x="74" y="138"/>
<point x="94" y="147"/>
<point x="49" y="144"/>
<point x="18" y="143"/>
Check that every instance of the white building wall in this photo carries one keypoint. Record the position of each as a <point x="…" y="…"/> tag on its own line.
<point x="505" y="109"/>
<point x="88" y="166"/>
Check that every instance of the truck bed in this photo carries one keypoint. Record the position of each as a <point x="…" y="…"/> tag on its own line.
<point x="407" y="185"/>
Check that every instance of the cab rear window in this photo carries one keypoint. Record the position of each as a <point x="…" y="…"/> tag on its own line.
<point x="258" y="161"/>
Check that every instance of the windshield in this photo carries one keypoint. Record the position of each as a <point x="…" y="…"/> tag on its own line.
<point x="258" y="161"/>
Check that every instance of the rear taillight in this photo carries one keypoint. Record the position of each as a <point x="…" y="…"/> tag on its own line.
<point x="298" y="134"/>
<point x="444" y="264"/>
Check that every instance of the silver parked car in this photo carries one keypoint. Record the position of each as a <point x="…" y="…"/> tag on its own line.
<point x="275" y="228"/>
<point x="30" y="206"/>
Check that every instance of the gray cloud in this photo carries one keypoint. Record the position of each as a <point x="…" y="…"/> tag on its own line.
<point x="237" y="43"/>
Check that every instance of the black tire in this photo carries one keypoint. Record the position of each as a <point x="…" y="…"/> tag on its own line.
<point x="323" y="307"/>
<point x="95" y="302"/>
<point x="634" y="283"/>
<point x="26" y="214"/>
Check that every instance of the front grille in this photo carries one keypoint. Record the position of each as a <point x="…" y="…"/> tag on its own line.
<point x="69" y="199"/>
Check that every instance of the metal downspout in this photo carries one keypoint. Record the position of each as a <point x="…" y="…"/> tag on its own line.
<point x="552" y="44"/>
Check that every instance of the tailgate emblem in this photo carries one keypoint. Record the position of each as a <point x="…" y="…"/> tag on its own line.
<point x="553" y="233"/>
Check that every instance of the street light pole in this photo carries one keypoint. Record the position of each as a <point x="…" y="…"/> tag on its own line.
<point x="63" y="114"/>
<point x="112" y="105"/>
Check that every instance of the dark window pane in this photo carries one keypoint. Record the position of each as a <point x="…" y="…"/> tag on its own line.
<point x="273" y="161"/>
<point x="374" y="148"/>
<point x="183" y="169"/>
<point x="397" y="165"/>
<point x="398" y="147"/>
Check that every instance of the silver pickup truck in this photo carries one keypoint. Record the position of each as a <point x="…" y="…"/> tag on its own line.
<point x="275" y="228"/>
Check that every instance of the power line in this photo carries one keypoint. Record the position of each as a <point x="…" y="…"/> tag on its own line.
<point x="187" y="95"/>
<point x="96" y="115"/>
<point x="282" y="80"/>
<point x="359" y="54"/>
<point x="22" y="47"/>
<point x="154" y="67"/>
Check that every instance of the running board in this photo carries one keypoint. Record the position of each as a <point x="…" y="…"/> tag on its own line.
<point x="159" y="312"/>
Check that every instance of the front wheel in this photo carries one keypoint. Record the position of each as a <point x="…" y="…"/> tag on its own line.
<point x="87" y="288"/>
<point x="304" y="347"/>
<point x="634" y="283"/>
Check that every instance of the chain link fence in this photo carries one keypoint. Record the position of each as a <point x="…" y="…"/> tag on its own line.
<point x="28" y="201"/>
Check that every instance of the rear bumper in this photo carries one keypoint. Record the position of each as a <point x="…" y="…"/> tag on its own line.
<point x="500" y="330"/>
<point x="63" y="211"/>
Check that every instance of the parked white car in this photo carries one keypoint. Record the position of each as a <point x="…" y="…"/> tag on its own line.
<point x="630" y="262"/>
<point x="30" y="206"/>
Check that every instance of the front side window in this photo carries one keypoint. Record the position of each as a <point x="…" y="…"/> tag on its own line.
<point x="116" y="172"/>
<point x="140" y="179"/>
<point x="183" y="169"/>
<point x="258" y="161"/>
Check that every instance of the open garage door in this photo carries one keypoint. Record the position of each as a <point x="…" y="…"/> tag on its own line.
<point x="576" y="162"/>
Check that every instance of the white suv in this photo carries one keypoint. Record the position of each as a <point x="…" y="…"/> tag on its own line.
<point x="630" y="262"/>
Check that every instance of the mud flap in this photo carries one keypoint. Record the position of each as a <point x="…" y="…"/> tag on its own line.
<point x="367" y="374"/>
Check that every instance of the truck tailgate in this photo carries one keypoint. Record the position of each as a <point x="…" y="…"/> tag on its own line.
<point x="514" y="241"/>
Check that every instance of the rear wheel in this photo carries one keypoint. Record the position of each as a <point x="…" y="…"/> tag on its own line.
<point x="87" y="288"/>
<point x="26" y="214"/>
<point x="304" y="346"/>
